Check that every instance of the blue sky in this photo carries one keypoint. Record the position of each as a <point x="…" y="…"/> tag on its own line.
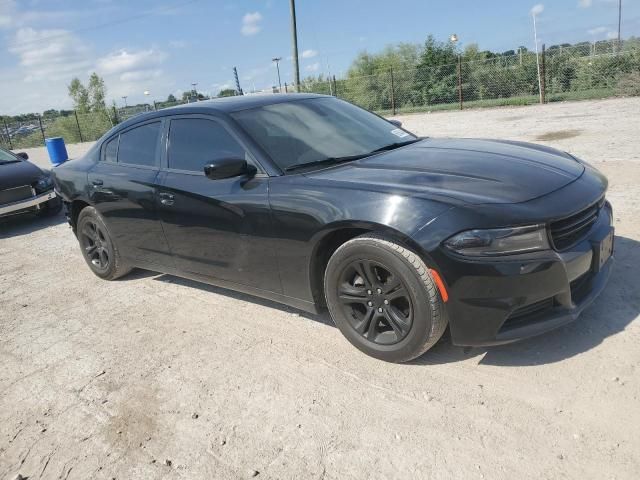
<point x="164" y="45"/>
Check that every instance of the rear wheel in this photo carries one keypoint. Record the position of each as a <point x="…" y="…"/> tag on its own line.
<point x="382" y="298"/>
<point x="98" y="248"/>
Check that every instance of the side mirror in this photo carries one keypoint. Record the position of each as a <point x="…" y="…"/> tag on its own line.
<point x="227" y="168"/>
<point x="23" y="155"/>
<point x="397" y="123"/>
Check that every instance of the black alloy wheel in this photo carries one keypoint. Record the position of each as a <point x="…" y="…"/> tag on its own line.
<point x="376" y="301"/>
<point x="382" y="297"/>
<point x="96" y="246"/>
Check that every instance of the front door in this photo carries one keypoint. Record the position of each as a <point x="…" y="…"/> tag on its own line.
<point x="217" y="228"/>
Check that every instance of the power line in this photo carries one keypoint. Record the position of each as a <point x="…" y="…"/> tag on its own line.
<point x="130" y="18"/>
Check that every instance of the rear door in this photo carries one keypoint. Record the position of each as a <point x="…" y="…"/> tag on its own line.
<point x="217" y="228"/>
<point x="122" y="187"/>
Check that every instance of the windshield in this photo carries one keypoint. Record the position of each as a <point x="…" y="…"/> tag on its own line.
<point x="318" y="130"/>
<point x="6" y="157"/>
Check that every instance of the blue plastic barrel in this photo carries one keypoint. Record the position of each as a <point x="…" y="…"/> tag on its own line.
<point x="57" y="150"/>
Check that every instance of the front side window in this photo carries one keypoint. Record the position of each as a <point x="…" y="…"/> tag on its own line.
<point x="110" y="150"/>
<point x="195" y="141"/>
<point x="6" y="157"/>
<point x="316" y="130"/>
<point x="139" y="145"/>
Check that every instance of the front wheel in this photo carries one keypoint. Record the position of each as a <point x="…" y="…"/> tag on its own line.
<point x="383" y="299"/>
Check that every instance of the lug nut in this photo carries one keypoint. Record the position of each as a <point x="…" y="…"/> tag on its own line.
<point x="379" y="290"/>
<point x="370" y="304"/>
<point x="369" y="292"/>
<point x="380" y="310"/>
<point x="386" y="302"/>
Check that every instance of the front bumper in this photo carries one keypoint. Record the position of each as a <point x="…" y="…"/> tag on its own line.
<point x="501" y="300"/>
<point x="25" y="205"/>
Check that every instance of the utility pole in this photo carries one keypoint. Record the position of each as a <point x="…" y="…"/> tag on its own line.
<point x="125" y="101"/>
<point x="294" y="39"/>
<point x="277" y="61"/>
<point x="195" y="92"/>
<point x="619" y="21"/>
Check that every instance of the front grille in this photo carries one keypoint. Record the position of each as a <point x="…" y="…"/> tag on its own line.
<point x="567" y="232"/>
<point x="527" y="313"/>
<point x="15" y="194"/>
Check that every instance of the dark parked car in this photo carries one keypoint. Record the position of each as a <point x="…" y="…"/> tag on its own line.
<point x="311" y="201"/>
<point x="24" y="187"/>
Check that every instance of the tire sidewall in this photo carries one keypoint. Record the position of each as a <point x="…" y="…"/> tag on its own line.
<point x="421" y="327"/>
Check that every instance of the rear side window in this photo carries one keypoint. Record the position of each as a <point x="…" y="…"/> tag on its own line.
<point x="110" y="150"/>
<point x="195" y="141"/>
<point x="139" y="145"/>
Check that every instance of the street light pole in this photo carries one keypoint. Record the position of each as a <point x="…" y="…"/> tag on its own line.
<point x="195" y="92"/>
<point x="277" y="61"/>
<point x="294" y="39"/>
<point x="535" y="37"/>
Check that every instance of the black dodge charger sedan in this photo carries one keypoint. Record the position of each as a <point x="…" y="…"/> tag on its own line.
<point x="311" y="201"/>
<point x="24" y="187"/>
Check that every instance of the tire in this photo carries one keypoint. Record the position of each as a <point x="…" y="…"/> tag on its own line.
<point x="398" y="324"/>
<point x="97" y="246"/>
<point x="50" y="208"/>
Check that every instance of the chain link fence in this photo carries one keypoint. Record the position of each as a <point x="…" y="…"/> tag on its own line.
<point x="583" y="71"/>
<point x="599" y="70"/>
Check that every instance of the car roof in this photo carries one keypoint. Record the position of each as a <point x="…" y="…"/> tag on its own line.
<point x="224" y="105"/>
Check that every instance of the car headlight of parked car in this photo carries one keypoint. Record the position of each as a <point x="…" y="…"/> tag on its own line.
<point x="44" y="183"/>
<point x="499" y="241"/>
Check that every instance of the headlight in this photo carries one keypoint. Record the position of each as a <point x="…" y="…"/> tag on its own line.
<point x="499" y="241"/>
<point x="44" y="183"/>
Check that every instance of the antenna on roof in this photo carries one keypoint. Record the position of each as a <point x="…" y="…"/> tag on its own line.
<point x="235" y="74"/>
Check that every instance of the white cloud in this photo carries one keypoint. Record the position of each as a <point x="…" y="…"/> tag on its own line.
<point x="612" y="35"/>
<point x="178" y="44"/>
<point x="251" y="23"/>
<point x="7" y="10"/>
<point x="585" y="3"/>
<point x="309" y="53"/>
<point x="537" y="9"/>
<point x="314" y="67"/>
<point x="124" y="61"/>
<point x="597" y="31"/>
<point x="49" y="54"/>
<point x="141" y="75"/>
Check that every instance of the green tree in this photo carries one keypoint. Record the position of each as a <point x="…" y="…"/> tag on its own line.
<point x="171" y="98"/>
<point x="80" y="95"/>
<point x="227" y="92"/>
<point x="97" y="92"/>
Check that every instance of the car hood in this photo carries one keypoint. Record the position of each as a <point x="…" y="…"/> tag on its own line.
<point x="18" y="174"/>
<point x="467" y="170"/>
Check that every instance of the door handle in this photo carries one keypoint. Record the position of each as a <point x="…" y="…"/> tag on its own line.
<point x="166" y="199"/>
<point x="96" y="183"/>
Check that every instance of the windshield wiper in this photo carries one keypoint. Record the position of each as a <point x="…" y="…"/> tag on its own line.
<point x="335" y="160"/>
<point x="393" y="146"/>
<point x="326" y="161"/>
<point x="4" y="162"/>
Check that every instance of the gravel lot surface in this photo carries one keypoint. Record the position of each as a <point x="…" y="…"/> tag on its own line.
<point x="158" y="377"/>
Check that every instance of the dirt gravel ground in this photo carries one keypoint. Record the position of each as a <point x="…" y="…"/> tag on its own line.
<point x="156" y="377"/>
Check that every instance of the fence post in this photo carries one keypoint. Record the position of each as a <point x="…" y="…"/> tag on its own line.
<point x="335" y="86"/>
<point x="460" y="81"/>
<point x="285" y="88"/>
<point x="78" y="124"/>
<point x="6" y="129"/>
<point x="44" y="141"/>
<point x="393" y="92"/>
<point x="543" y="76"/>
